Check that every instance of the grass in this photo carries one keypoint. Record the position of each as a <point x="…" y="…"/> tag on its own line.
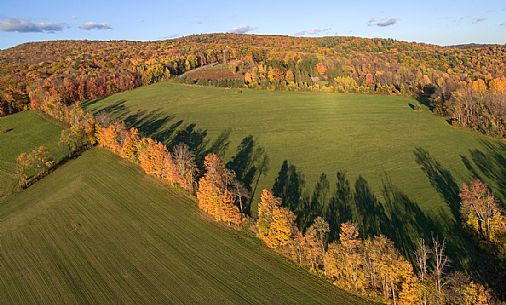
<point x="23" y="132"/>
<point x="378" y="137"/>
<point x="97" y="230"/>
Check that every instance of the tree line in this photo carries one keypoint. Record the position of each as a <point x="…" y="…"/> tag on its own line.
<point x="317" y="234"/>
<point x="468" y="85"/>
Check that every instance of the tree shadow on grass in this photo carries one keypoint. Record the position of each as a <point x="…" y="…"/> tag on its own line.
<point x="340" y="207"/>
<point x="492" y="164"/>
<point x="289" y="186"/>
<point x="407" y="223"/>
<point x="441" y="179"/>
<point x="220" y="145"/>
<point x="249" y="163"/>
<point x="113" y="110"/>
<point x="368" y="211"/>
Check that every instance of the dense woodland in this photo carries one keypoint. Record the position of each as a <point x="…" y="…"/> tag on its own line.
<point x="466" y="84"/>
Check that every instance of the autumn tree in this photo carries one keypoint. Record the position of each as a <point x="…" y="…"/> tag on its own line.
<point x="422" y="256"/>
<point x="320" y="68"/>
<point x="109" y="137"/>
<point x="344" y="261"/>
<point x="373" y="267"/>
<point x="74" y="138"/>
<point x="81" y="120"/>
<point x="275" y="224"/>
<point x="32" y="165"/>
<point x="215" y="192"/>
<point x="389" y="272"/>
<point x="479" y="210"/>
<point x="281" y="229"/>
<point x="316" y="242"/>
<point x="461" y="289"/>
<point x="130" y="147"/>
<point x="154" y="159"/>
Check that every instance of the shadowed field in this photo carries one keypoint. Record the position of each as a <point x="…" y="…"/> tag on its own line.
<point x="97" y="230"/>
<point x="411" y="163"/>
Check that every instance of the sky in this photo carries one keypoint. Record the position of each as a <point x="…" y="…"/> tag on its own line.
<point x="442" y="22"/>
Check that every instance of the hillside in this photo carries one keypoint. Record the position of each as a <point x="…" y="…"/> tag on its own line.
<point x="24" y="132"/>
<point x="413" y="156"/>
<point x="458" y="82"/>
<point x="97" y="231"/>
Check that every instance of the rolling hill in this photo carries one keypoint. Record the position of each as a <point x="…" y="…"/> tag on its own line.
<point x="380" y="138"/>
<point x="98" y="230"/>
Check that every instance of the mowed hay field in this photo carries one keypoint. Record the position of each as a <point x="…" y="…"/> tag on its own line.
<point x="379" y="137"/>
<point x="23" y="132"/>
<point x="98" y="230"/>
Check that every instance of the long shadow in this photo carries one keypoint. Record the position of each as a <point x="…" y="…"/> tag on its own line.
<point x="340" y="207"/>
<point x="441" y="179"/>
<point x="112" y="110"/>
<point x="461" y="244"/>
<point x="164" y="128"/>
<point x="368" y="211"/>
<point x="192" y="136"/>
<point x="407" y="223"/>
<point x="469" y="166"/>
<point x="220" y="144"/>
<point x="492" y="164"/>
<point x="314" y="206"/>
<point x="249" y="163"/>
<point x="152" y="124"/>
<point x="289" y="186"/>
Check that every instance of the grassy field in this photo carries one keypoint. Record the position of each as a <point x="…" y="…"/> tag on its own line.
<point x="379" y="137"/>
<point x="97" y="231"/>
<point x="22" y="132"/>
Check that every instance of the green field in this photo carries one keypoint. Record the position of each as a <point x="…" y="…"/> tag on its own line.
<point x="378" y="137"/>
<point x="98" y="230"/>
<point x="23" y="132"/>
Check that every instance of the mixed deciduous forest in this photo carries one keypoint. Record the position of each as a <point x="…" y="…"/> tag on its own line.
<point x="466" y="84"/>
<point x="337" y="237"/>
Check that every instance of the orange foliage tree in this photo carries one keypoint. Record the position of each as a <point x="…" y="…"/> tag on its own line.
<point x="216" y="191"/>
<point x="154" y="158"/>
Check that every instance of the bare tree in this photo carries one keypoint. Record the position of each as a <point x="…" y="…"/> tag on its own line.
<point x="239" y="192"/>
<point x="440" y="260"/>
<point x="422" y="257"/>
<point x="184" y="160"/>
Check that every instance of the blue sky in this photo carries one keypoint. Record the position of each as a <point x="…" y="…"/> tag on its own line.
<point x="440" y="22"/>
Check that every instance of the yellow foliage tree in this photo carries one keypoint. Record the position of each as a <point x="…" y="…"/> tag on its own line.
<point x="276" y="225"/>
<point x="215" y="192"/>
<point x="281" y="229"/>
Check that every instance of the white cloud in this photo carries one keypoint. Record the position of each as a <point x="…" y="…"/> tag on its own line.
<point x="382" y="22"/>
<point x="242" y="29"/>
<point x="26" y="26"/>
<point x="312" y="32"/>
<point x="171" y="36"/>
<point x="92" y="25"/>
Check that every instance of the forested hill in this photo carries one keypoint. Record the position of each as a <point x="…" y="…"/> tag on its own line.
<point x="466" y="84"/>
